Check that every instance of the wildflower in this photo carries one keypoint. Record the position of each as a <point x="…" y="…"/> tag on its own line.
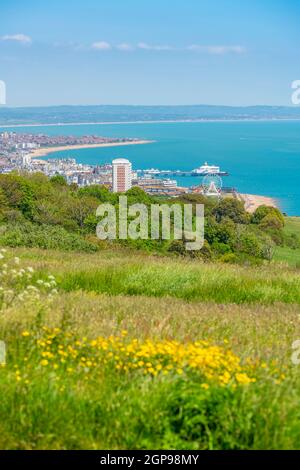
<point x="44" y="362"/>
<point x="25" y="334"/>
<point x="243" y="379"/>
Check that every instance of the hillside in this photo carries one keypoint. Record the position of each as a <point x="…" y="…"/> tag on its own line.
<point x="141" y="351"/>
<point x="141" y="344"/>
<point x="285" y="253"/>
<point x="118" y="113"/>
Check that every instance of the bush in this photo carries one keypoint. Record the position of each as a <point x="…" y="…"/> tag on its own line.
<point x="264" y="211"/>
<point x="43" y="236"/>
<point x="228" y="258"/>
<point x="221" y="248"/>
<point x="249" y="244"/>
<point x="233" y="209"/>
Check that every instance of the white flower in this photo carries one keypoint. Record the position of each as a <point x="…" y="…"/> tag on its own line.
<point x="33" y="288"/>
<point x="1" y="256"/>
<point x="17" y="260"/>
<point x="30" y="269"/>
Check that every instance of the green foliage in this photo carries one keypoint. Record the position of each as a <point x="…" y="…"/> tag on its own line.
<point x="52" y="202"/>
<point x="43" y="236"/>
<point x="18" y="193"/>
<point x="230" y="208"/>
<point x="101" y="193"/>
<point x="74" y="399"/>
<point x="264" y="211"/>
<point x="58" y="180"/>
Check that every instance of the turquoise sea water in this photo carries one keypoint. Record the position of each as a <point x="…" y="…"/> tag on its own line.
<point x="262" y="157"/>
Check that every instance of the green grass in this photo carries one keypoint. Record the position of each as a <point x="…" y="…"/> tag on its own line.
<point x="284" y="253"/>
<point x="252" y="311"/>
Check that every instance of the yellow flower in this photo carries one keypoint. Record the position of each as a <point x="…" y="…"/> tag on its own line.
<point x="243" y="378"/>
<point x="44" y="362"/>
<point x="205" y="386"/>
<point x="25" y="334"/>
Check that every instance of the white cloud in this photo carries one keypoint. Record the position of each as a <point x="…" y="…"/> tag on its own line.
<point x="21" y="38"/>
<point x="216" y="50"/>
<point x="101" y="46"/>
<point x="211" y="49"/>
<point x="125" y="47"/>
<point x="148" y="47"/>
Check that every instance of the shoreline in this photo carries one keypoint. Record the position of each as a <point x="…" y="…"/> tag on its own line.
<point x="43" y="152"/>
<point x="253" y="201"/>
<point x="162" y="121"/>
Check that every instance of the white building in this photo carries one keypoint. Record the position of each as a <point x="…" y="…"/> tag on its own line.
<point x="26" y="159"/>
<point x="122" y="175"/>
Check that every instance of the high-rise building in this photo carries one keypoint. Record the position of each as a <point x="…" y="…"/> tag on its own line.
<point x="121" y="175"/>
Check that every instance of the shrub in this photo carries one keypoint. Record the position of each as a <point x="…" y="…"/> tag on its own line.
<point x="249" y="244"/>
<point x="233" y="209"/>
<point x="228" y="258"/>
<point x="44" y="236"/>
<point x="263" y="211"/>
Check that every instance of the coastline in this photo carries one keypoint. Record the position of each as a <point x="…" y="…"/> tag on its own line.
<point x="253" y="201"/>
<point x="163" y="121"/>
<point x="43" y="152"/>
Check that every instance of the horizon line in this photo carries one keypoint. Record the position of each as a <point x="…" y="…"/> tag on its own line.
<point x="3" y="107"/>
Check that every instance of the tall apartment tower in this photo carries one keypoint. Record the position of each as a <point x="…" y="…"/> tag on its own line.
<point x="121" y="175"/>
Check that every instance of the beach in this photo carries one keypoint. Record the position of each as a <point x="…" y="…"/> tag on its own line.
<point x="253" y="201"/>
<point x="43" y="152"/>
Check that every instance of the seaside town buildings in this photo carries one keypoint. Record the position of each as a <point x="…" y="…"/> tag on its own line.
<point x="121" y="175"/>
<point x="16" y="155"/>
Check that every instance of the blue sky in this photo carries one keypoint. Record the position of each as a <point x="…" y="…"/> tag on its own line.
<point x="234" y="52"/>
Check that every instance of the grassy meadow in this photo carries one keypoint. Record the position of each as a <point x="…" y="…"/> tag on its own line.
<point x="127" y="350"/>
<point x="287" y="254"/>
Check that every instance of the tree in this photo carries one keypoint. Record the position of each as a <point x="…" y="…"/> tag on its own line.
<point x="58" y="180"/>
<point x="270" y="221"/>
<point x="264" y="211"/>
<point x="249" y="243"/>
<point x="231" y="208"/>
<point x="18" y="192"/>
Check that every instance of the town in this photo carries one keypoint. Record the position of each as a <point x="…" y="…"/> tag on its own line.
<point x="17" y="153"/>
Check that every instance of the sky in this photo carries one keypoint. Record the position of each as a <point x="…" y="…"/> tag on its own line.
<point x="151" y="52"/>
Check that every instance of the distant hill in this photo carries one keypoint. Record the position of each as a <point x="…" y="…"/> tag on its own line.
<point x="85" y="114"/>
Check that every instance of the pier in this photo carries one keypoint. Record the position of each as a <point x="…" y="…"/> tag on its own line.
<point x="167" y="173"/>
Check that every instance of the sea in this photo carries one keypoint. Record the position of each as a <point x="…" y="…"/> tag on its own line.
<point x="261" y="157"/>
